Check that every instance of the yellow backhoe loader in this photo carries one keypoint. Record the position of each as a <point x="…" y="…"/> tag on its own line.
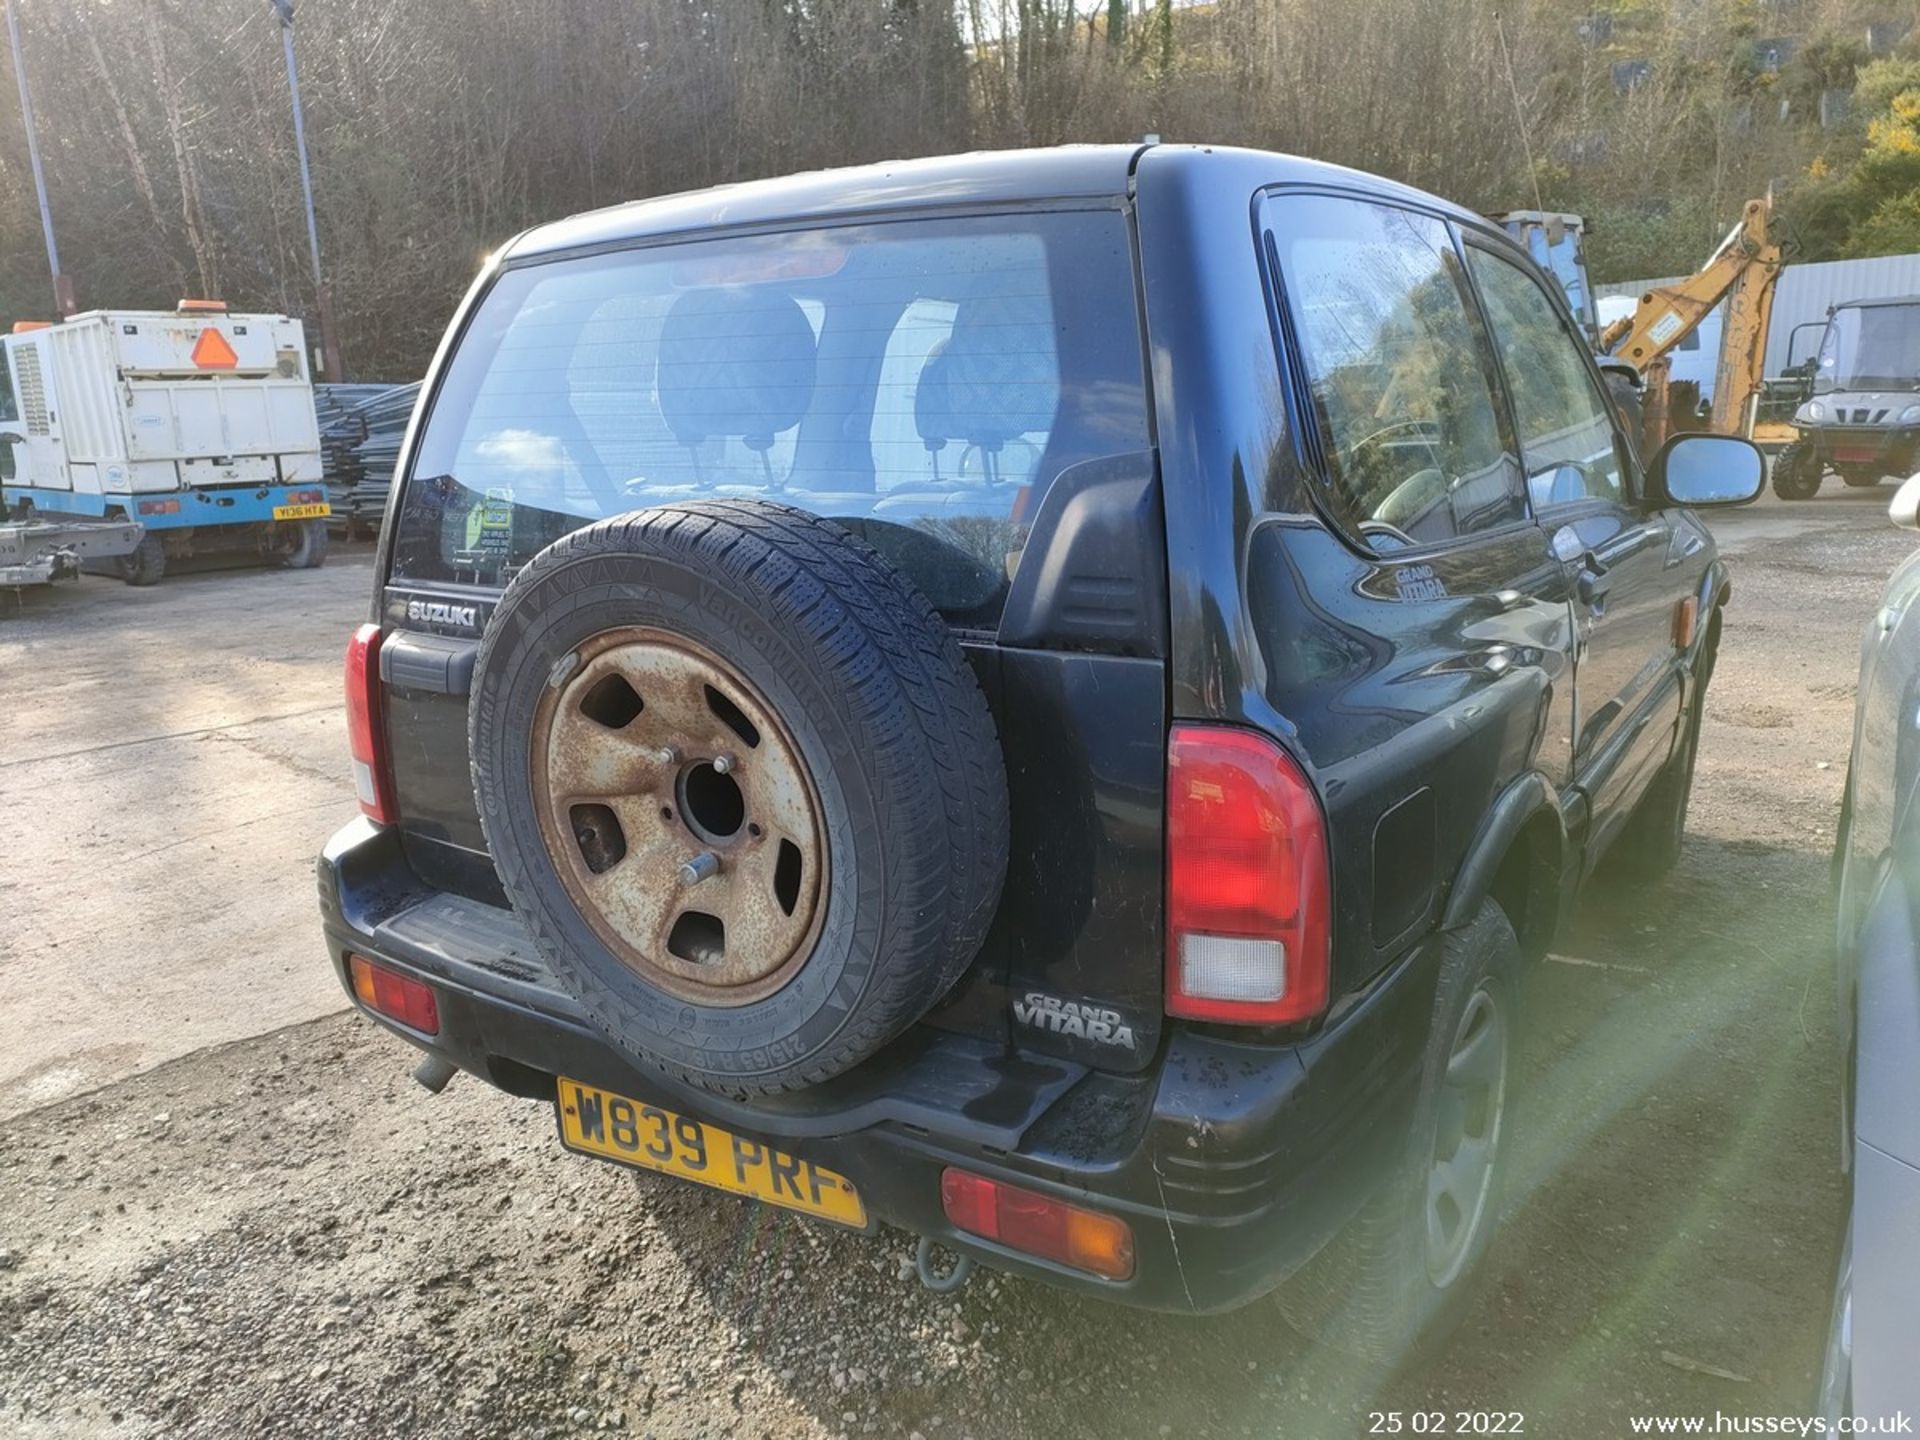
<point x="1742" y="271"/>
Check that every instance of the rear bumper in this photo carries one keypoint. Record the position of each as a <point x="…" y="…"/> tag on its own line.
<point x="1233" y="1162"/>
<point x="194" y="507"/>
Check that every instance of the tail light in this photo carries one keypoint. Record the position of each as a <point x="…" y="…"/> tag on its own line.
<point x="398" y="997"/>
<point x="1248" y="888"/>
<point x="1038" y="1224"/>
<point x="366" y="735"/>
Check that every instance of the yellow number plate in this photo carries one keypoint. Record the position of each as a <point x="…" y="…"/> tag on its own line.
<point x="598" y="1122"/>
<point x="302" y="512"/>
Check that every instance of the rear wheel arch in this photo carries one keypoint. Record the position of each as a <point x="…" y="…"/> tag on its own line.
<point x="1517" y="858"/>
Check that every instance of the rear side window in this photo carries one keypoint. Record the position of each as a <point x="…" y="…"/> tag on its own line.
<point x="1565" y="419"/>
<point x="920" y="381"/>
<point x="1403" y="385"/>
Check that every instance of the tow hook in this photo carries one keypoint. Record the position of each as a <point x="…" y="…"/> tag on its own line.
<point x="434" y="1072"/>
<point x="941" y="1282"/>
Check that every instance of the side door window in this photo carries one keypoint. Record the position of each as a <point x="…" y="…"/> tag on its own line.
<point x="1567" y="437"/>
<point x="1627" y="699"/>
<point x="1402" y="383"/>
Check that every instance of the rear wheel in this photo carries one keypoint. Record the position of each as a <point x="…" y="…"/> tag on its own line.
<point x="147" y="563"/>
<point x="309" y="550"/>
<point x="1797" y="472"/>
<point x="1403" y="1269"/>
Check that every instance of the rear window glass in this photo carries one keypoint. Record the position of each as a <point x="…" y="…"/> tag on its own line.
<point x="920" y="381"/>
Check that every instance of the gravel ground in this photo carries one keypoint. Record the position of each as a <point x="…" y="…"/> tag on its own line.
<point x="282" y="1235"/>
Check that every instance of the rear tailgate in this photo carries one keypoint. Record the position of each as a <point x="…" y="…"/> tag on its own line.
<point x="968" y="394"/>
<point x="1073" y="960"/>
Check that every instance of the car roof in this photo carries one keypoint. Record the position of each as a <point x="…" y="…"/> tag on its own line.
<point x="981" y="178"/>
<point x="986" y="177"/>
<point x="1878" y="300"/>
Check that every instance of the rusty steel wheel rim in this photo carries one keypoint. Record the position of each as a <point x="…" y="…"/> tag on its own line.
<point x="680" y="816"/>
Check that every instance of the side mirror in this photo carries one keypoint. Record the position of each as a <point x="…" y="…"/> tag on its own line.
<point x="10" y="437"/>
<point x="1905" y="509"/>
<point x="1697" y="469"/>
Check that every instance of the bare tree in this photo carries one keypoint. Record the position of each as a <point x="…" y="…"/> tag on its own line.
<point x="439" y="128"/>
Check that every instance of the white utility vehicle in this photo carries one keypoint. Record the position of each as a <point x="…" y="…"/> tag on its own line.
<point x="196" y="424"/>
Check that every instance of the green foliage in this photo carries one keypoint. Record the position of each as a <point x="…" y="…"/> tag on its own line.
<point x="1830" y="61"/>
<point x="1818" y="214"/>
<point x="1873" y="207"/>
<point x="1892" y="229"/>
<point x="1640" y="239"/>
<point x="1890" y="165"/>
<point x="1826" y="61"/>
<point x="1879" y="82"/>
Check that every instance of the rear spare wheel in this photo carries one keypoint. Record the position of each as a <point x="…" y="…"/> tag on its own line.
<point x="742" y="786"/>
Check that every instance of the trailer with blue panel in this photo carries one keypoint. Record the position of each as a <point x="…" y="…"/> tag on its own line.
<point x="196" y="424"/>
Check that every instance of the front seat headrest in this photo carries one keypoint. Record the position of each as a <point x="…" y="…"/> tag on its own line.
<point x="1001" y="369"/>
<point x="735" y="361"/>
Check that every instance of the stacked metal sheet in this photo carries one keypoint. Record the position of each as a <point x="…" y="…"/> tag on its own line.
<point x="384" y="419"/>
<point x="340" y="431"/>
<point x="360" y="430"/>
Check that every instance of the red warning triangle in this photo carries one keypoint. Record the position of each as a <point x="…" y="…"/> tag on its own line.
<point x="212" y="352"/>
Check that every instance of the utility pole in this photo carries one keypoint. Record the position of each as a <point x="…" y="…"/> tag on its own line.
<point x="322" y="295"/>
<point x="62" y="286"/>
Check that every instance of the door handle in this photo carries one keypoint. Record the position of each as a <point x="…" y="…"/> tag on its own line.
<point x="1592" y="582"/>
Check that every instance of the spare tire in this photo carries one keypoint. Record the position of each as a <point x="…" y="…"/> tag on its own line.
<point x="742" y="786"/>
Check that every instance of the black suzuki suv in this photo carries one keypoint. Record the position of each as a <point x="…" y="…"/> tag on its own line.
<point x="1044" y="698"/>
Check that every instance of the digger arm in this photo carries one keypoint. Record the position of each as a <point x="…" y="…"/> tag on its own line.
<point x="1746" y="266"/>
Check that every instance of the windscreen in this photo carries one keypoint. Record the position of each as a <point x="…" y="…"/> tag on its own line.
<point x="920" y="381"/>
<point x="1870" y="347"/>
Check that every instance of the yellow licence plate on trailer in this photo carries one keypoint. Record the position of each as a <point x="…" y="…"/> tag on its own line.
<point x="302" y="512"/>
<point x="613" y="1127"/>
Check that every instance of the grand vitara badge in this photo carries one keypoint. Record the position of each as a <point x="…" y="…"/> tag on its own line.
<point x="1072" y="1018"/>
